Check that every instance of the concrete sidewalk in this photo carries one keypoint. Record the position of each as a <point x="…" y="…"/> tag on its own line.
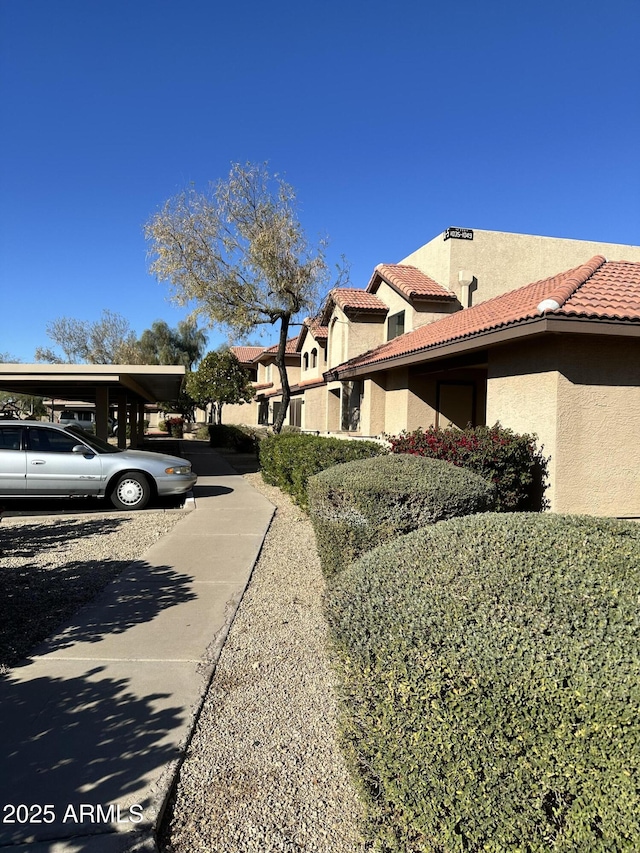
<point x="93" y="729"/>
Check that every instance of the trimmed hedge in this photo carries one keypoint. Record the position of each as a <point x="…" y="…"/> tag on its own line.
<point x="492" y="699"/>
<point x="288" y="460"/>
<point x="230" y="438"/>
<point x="511" y="461"/>
<point x="358" y="505"/>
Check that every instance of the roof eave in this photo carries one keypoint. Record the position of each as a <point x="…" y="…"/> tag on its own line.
<point x="531" y="327"/>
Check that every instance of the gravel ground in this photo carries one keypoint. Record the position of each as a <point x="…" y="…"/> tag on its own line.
<point x="51" y="566"/>
<point x="264" y="771"/>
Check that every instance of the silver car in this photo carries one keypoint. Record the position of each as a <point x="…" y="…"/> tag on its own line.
<point x="40" y="460"/>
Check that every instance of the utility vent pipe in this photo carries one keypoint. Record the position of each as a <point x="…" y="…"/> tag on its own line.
<point x="466" y="280"/>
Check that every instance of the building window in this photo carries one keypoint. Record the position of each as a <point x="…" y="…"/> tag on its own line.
<point x="314" y="357"/>
<point x="305" y="361"/>
<point x="351" y="405"/>
<point x="395" y="325"/>
<point x="295" y="412"/>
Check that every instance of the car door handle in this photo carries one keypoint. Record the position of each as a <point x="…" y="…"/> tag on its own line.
<point x="38" y="462"/>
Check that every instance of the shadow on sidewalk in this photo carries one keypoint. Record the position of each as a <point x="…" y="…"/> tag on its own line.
<point x="80" y="740"/>
<point x="37" y="601"/>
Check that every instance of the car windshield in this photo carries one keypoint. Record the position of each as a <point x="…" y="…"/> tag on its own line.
<point x="93" y="441"/>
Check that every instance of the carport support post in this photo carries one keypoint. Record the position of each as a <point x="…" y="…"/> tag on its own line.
<point x="122" y="419"/>
<point x="140" y="423"/>
<point x="133" y="431"/>
<point x="102" y="412"/>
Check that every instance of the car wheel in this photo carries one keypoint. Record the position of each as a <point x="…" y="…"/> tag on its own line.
<point x="131" y="491"/>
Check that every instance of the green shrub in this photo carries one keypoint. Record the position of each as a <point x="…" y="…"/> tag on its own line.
<point x="492" y="699"/>
<point x="202" y="432"/>
<point x="288" y="460"/>
<point x="230" y="438"/>
<point x="358" y="505"/>
<point x="511" y="461"/>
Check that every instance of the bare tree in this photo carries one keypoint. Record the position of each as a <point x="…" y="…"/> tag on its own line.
<point x="108" y="340"/>
<point x="240" y="254"/>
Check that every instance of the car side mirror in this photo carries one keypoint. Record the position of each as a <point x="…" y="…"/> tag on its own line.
<point x="83" y="450"/>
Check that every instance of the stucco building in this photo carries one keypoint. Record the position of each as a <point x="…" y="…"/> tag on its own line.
<point x="541" y="334"/>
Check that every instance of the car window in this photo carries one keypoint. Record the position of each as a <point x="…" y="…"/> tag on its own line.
<point x="95" y="443"/>
<point x="10" y="438"/>
<point x="50" y="441"/>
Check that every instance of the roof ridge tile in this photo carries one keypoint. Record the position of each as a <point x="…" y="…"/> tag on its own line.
<point x="573" y="282"/>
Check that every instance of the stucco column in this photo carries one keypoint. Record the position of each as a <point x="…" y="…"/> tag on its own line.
<point x="102" y="412"/>
<point x="373" y="406"/>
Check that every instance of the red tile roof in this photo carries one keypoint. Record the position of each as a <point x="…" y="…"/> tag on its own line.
<point x="598" y="290"/>
<point x="290" y="348"/>
<point x="319" y="332"/>
<point x="314" y="326"/>
<point x="307" y="383"/>
<point x="612" y="293"/>
<point x="410" y="282"/>
<point x="246" y="355"/>
<point x="351" y="299"/>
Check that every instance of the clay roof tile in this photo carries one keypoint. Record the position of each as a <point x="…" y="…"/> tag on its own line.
<point x="410" y="282"/>
<point x="598" y="290"/>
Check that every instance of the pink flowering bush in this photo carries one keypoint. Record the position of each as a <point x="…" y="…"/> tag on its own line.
<point x="513" y="462"/>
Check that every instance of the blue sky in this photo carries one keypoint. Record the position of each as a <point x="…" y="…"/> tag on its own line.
<point x="393" y="121"/>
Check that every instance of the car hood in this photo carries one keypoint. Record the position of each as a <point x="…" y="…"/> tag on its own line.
<point x="150" y="456"/>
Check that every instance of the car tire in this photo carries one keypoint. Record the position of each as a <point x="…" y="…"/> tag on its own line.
<point x="131" y="491"/>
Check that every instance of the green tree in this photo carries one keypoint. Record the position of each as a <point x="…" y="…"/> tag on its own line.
<point x="219" y="379"/>
<point x="240" y="254"/>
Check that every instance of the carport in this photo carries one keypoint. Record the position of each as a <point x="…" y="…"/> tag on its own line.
<point x="127" y="387"/>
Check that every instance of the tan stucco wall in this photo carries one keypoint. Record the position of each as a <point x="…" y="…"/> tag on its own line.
<point x="598" y="467"/>
<point x="314" y="409"/>
<point x="308" y="346"/>
<point x="414" y="315"/>
<point x="396" y="303"/>
<point x="240" y="414"/>
<point x="265" y="371"/>
<point x="428" y="312"/>
<point x="337" y="338"/>
<point x="373" y="405"/>
<point x="582" y="398"/>
<point x="501" y="261"/>
<point x="522" y="394"/>
<point x="364" y="334"/>
<point x="397" y="401"/>
<point x="421" y="410"/>
<point x="333" y="407"/>
<point x="434" y="259"/>
<point x="351" y="337"/>
<point x="269" y="372"/>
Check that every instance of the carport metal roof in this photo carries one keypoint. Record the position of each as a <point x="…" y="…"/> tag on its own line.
<point x="141" y="382"/>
